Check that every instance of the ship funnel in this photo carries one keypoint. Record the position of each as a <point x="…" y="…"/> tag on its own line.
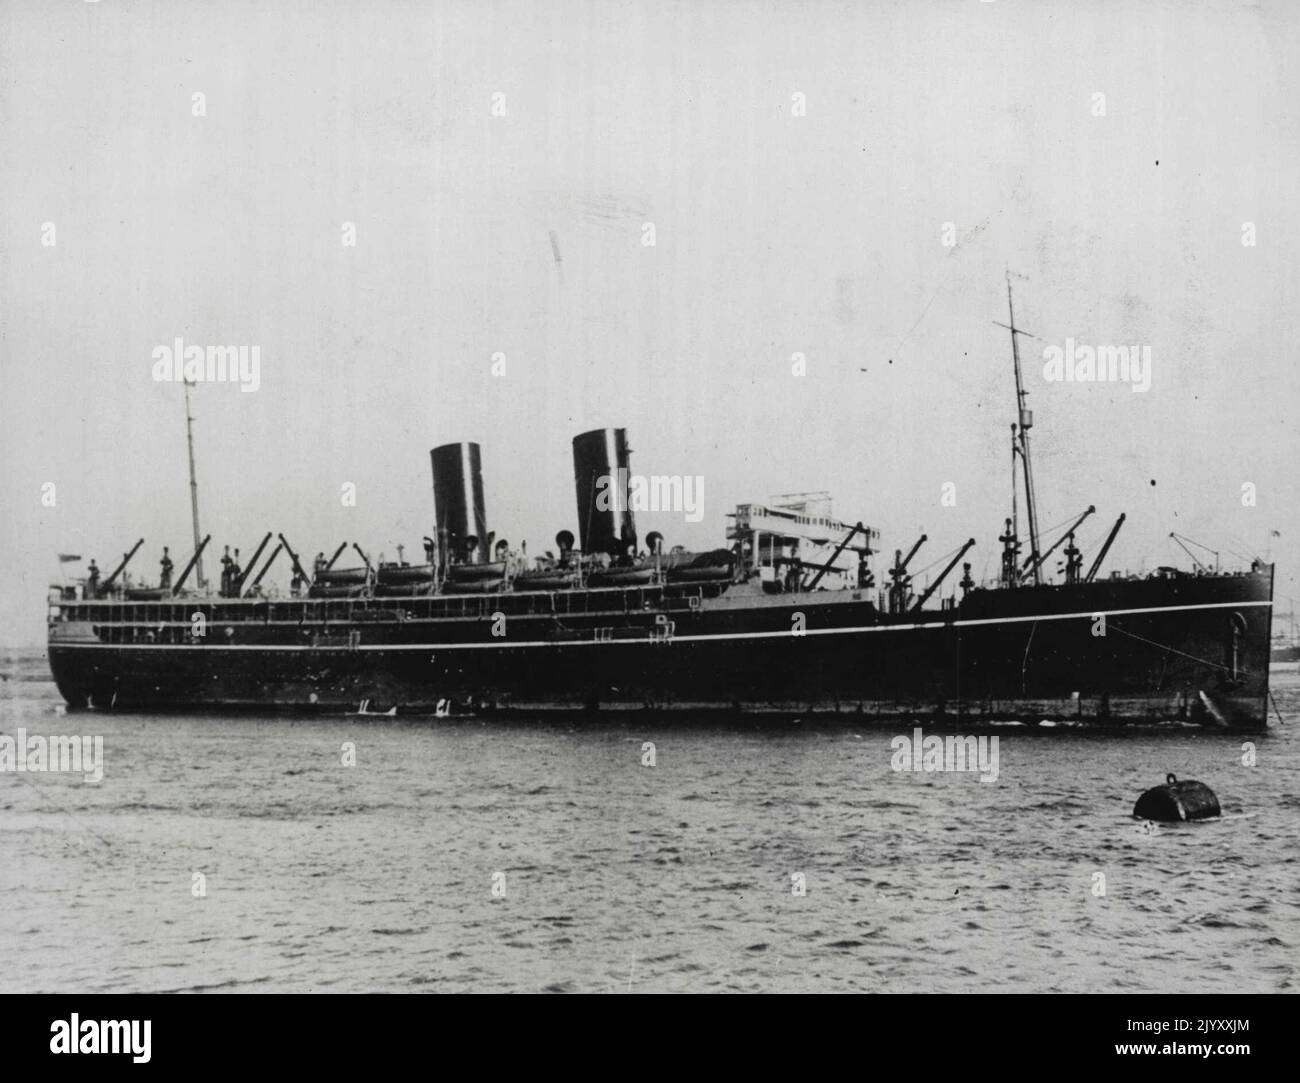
<point x="601" y="470"/>
<point x="458" y="503"/>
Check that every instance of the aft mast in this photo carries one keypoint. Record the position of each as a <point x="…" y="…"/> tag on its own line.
<point x="194" y="489"/>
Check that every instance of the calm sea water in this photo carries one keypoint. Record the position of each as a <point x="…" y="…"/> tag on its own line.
<point x="618" y="876"/>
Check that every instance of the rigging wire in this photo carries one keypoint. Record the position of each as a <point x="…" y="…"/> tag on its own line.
<point x="938" y="560"/>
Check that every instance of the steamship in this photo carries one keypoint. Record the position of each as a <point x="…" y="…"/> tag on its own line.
<point x="785" y="620"/>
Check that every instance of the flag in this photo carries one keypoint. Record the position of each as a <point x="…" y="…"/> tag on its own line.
<point x="67" y="558"/>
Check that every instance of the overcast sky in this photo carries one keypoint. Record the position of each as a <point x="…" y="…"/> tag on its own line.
<point x="775" y="234"/>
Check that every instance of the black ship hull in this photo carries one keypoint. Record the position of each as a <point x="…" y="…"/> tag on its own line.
<point x="1188" y="648"/>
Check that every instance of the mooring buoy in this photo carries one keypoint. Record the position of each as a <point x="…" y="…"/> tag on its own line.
<point x="1177" y="801"/>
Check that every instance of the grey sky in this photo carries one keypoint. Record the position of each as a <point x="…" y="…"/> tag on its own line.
<point x="819" y="234"/>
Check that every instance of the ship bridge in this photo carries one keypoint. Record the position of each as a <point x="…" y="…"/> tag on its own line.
<point x="794" y="542"/>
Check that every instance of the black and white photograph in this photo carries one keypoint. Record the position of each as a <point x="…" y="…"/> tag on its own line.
<point x="633" y="497"/>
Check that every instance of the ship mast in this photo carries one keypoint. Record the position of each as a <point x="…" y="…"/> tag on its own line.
<point x="1026" y="420"/>
<point x="194" y="489"/>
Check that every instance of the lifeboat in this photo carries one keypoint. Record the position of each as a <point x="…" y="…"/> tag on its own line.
<point x="147" y="594"/>
<point x="474" y="586"/>
<point x="392" y="574"/>
<point x="635" y="576"/>
<point x="715" y="564"/>
<point x="472" y="573"/>
<point x="338" y="590"/>
<point x="404" y="590"/>
<point x="334" y="577"/>
<point x="553" y="579"/>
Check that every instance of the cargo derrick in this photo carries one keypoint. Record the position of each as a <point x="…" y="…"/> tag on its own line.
<point x="265" y="568"/>
<point x="107" y="586"/>
<point x="237" y="583"/>
<point x="925" y="597"/>
<point x="900" y="583"/>
<point x="193" y="563"/>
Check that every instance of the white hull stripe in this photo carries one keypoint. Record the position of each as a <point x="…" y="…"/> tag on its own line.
<point x="641" y="641"/>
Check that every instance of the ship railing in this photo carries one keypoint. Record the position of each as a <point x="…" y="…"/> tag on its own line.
<point x="180" y="610"/>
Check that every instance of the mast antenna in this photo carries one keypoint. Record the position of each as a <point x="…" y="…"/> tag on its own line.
<point x="1026" y="420"/>
<point x="194" y="488"/>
